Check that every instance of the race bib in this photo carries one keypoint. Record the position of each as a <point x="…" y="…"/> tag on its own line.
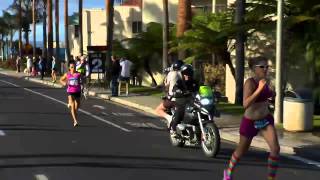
<point x="73" y="82"/>
<point x="260" y="124"/>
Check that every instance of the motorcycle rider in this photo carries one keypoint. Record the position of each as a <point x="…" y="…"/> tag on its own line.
<point x="183" y="91"/>
<point x="83" y="68"/>
<point x="169" y="101"/>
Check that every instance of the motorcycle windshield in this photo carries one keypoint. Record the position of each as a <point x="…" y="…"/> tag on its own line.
<point x="205" y="92"/>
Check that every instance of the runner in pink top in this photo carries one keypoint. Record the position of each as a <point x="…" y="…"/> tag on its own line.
<point x="72" y="80"/>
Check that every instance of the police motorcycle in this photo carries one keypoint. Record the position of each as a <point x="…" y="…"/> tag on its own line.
<point x="198" y="126"/>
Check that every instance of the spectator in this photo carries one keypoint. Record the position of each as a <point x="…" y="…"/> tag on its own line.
<point x="29" y="66"/>
<point x="115" y="72"/>
<point x="34" y="66"/>
<point x="53" y="70"/>
<point x="125" y="69"/>
<point x="18" y="64"/>
<point x="42" y="66"/>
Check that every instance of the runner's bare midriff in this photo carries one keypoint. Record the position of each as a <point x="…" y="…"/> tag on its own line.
<point x="257" y="111"/>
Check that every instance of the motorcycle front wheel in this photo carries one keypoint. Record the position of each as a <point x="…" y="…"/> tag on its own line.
<point x="211" y="140"/>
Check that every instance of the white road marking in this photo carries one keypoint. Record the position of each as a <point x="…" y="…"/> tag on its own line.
<point x="2" y="133"/>
<point x="99" y="107"/>
<point x="123" y="114"/>
<point x="304" y="160"/>
<point x="4" y="73"/>
<point x="41" y="177"/>
<point x="144" y="125"/>
<point x="154" y="126"/>
<point x="104" y="113"/>
<point x="81" y="110"/>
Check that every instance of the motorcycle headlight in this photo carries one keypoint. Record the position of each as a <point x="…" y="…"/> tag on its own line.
<point x="205" y="101"/>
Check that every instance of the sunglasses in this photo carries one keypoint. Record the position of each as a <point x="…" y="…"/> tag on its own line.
<point x="263" y="66"/>
<point x="71" y="67"/>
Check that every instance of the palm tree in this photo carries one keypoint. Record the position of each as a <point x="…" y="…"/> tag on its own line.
<point x="20" y="28"/>
<point x="151" y="43"/>
<point x="165" y="34"/>
<point x="240" y="40"/>
<point x="2" y="34"/>
<point x="50" y="30"/>
<point x="109" y="16"/>
<point x="57" y="32"/>
<point x="34" y="27"/>
<point x="44" y="28"/>
<point x="13" y="26"/>
<point x="184" y="19"/>
<point x="66" y="24"/>
<point x="80" y="27"/>
<point x="214" y="48"/>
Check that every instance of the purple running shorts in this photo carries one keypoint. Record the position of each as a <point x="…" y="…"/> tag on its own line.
<point x="247" y="128"/>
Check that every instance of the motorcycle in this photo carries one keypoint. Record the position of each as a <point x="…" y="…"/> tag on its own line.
<point x="198" y="126"/>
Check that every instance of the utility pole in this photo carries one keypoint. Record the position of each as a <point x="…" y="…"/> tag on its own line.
<point x="279" y="97"/>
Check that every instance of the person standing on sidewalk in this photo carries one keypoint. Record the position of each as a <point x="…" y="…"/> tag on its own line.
<point x="72" y="80"/>
<point x="115" y="72"/>
<point x="29" y="66"/>
<point x="257" y="118"/>
<point x="53" y="70"/>
<point x="125" y="69"/>
<point x="42" y="66"/>
<point x="18" y="64"/>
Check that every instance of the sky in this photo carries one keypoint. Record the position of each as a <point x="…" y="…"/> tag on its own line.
<point x="73" y="7"/>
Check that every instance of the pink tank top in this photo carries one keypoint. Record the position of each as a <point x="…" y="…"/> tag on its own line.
<point x="73" y="83"/>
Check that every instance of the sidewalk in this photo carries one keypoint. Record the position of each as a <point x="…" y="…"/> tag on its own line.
<point x="291" y="143"/>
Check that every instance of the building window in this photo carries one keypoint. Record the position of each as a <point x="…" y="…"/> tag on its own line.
<point x="76" y="31"/>
<point x="136" y="27"/>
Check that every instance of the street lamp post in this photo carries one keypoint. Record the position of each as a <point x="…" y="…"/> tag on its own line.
<point x="279" y="97"/>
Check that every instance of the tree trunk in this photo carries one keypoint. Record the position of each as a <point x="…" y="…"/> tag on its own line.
<point x="3" y="48"/>
<point x="34" y="27"/>
<point x="66" y="24"/>
<point x="148" y="70"/>
<point x="58" y="62"/>
<point x="26" y="36"/>
<point x="184" y="21"/>
<point x="80" y="27"/>
<point x="165" y="35"/>
<point x="50" y="31"/>
<point x="227" y="58"/>
<point x="45" y="40"/>
<point x="240" y="40"/>
<point x="109" y="16"/>
<point x="1" y="44"/>
<point x="11" y="43"/>
<point x="20" y="29"/>
<point x="7" y="42"/>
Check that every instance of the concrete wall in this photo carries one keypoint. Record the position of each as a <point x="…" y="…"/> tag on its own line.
<point x="95" y="27"/>
<point x="152" y="11"/>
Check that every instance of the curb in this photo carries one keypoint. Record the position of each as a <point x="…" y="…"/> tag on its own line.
<point x="55" y="85"/>
<point x="224" y="133"/>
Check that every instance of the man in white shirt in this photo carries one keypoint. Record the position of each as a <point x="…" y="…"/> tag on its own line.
<point x="125" y="69"/>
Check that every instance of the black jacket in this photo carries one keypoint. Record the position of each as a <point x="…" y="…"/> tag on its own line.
<point x="115" y="68"/>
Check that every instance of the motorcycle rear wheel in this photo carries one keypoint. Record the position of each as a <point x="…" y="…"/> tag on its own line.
<point x="175" y="141"/>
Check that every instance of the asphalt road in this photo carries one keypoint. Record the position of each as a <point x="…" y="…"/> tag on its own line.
<point x="38" y="142"/>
